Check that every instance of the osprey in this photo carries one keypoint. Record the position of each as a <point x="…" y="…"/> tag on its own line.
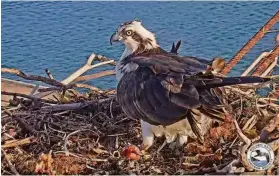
<point x="173" y="96"/>
<point x="259" y="155"/>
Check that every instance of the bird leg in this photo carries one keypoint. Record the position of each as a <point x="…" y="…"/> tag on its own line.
<point x="182" y="139"/>
<point x="147" y="135"/>
<point x="145" y="146"/>
<point x="169" y="139"/>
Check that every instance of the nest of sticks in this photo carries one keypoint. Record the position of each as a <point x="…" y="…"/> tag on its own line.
<point x="87" y="133"/>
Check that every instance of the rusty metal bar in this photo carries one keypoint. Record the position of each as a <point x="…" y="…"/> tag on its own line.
<point x="255" y="63"/>
<point x="265" y="62"/>
<point x="249" y="45"/>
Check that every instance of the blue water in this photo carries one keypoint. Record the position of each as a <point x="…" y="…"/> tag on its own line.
<point x="60" y="35"/>
<point x="260" y="163"/>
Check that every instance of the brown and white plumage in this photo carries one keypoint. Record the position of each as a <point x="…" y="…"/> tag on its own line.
<point x="173" y="96"/>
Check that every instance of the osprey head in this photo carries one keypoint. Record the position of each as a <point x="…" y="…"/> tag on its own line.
<point x="135" y="37"/>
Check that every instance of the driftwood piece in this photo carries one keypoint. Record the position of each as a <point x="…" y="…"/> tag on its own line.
<point x="70" y="86"/>
<point x="49" y="81"/>
<point x="64" y="85"/>
<point x="95" y="75"/>
<point x="104" y="58"/>
<point x="14" y="143"/>
<point x="249" y="69"/>
<point x="34" y="90"/>
<point x="32" y="77"/>
<point x="249" y="45"/>
<point x="29" y="97"/>
<point x="74" y="106"/>
<point x="87" y="66"/>
<point x="86" y="86"/>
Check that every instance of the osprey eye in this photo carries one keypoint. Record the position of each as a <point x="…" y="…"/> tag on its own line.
<point x="129" y="32"/>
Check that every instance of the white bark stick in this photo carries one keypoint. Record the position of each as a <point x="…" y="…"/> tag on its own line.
<point x="87" y="66"/>
<point x="84" y="69"/>
<point x="247" y="71"/>
<point x="268" y="70"/>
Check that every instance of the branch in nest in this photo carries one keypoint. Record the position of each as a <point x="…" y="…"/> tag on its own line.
<point x="103" y="58"/>
<point x="249" y="95"/>
<point x="86" y="86"/>
<point x="22" y="123"/>
<point x="95" y="75"/>
<point x="32" y="77"/>
<point x="227" y="169"/>
<point x="72" y="133"/>
<point x="14" y="143"/>
<point x="70" y="86"/>
<point x="272" y="125"/>
<point x="29" y="97"/>
<point x="12" y="167"/>
<point x="244" y="148"/>
<point x="248" y="70"/>
<point x="49" y="81"/>
<point x="53" y="82"/>
<point x="87" y="66"/>
<point x="241" y="135"/>
<point x="74" y="106"/>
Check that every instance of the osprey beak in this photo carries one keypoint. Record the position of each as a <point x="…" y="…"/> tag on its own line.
<point x="114" y="38"/>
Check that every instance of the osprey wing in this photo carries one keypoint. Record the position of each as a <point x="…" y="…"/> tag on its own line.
<point x="165" y="88"/>
<point x="156" y="91"/>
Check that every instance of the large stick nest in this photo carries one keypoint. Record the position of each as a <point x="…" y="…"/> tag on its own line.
<point x="95" y="137"/>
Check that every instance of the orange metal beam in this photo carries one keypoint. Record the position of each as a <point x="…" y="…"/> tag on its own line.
<point x="249" y="45"/>
<point x="265" y="62"/>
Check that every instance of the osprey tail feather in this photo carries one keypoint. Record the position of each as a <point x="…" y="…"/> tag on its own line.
<point x="226" y="81"/>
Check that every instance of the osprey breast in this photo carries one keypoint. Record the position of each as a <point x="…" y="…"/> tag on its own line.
<point x="121" y="69"/>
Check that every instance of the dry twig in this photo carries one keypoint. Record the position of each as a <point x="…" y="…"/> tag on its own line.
<point x="12" y="167"/>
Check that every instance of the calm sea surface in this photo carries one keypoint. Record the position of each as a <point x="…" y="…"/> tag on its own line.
<point x="60" y="35"/>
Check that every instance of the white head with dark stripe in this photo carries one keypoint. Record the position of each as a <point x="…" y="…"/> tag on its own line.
<point x="135" y="37"/>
